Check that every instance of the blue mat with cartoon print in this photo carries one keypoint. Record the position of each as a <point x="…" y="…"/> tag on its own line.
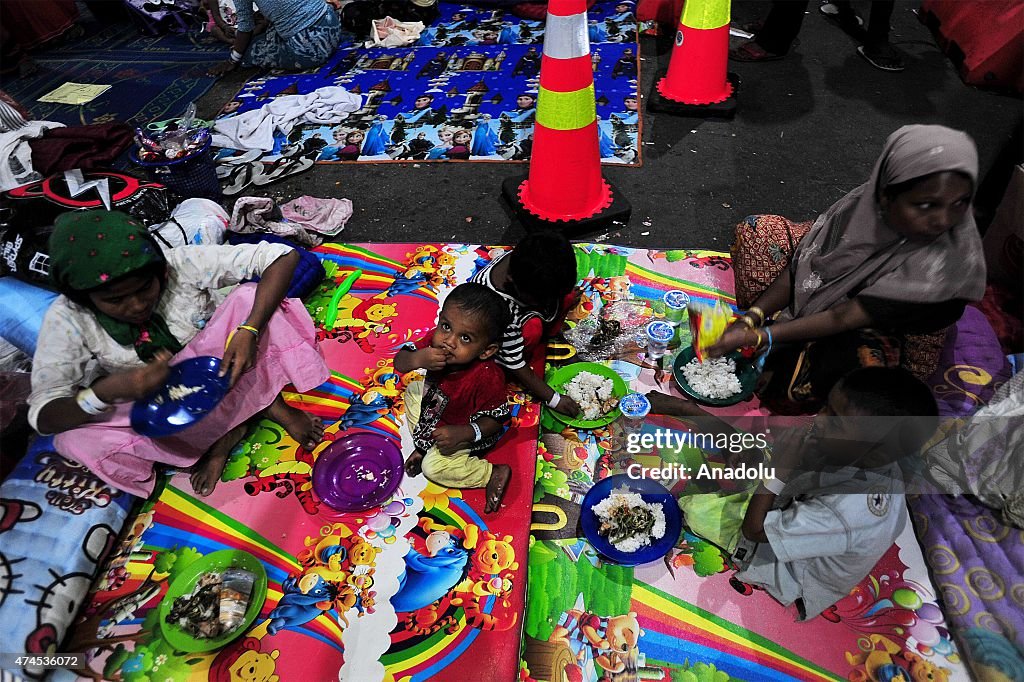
<point x="467" y="91"/>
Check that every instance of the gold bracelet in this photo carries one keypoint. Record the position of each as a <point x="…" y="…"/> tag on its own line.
<point x="747" y="321"/>
<point x="759" y="312"/>
<point x="247" y="328"/>
<point x="760" y="339"/>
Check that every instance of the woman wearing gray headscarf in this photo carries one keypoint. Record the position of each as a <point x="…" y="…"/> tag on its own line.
<point x="897" y="257"/>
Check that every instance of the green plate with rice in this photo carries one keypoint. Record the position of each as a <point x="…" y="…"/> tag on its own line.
<point x="564" y="375"/>
<point x="746" y="374"/>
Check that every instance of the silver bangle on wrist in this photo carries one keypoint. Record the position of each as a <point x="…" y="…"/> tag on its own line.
<point x="773" y="485"/>
<point x="89" y="402"/>
<point x="555" y="399"/>
<point x="477" y="435"/>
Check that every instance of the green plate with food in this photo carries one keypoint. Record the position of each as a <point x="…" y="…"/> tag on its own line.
<point x="596" y="388"/>
<point x="213" y="601"/>
<point x="716" y="383"/>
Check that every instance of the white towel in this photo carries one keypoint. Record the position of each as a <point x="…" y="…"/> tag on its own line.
<point x="255" y="129"/>
<point x="16" y="154"/>
<point x="389" y="32"/>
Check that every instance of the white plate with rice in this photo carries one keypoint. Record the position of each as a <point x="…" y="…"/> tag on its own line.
<point x="630" y="521"/>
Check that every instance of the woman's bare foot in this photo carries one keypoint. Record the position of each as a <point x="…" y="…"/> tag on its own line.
<point x="306" y="429"/>
<point x="206" y="472"/>
<point x="414" y="465"/>
<point x="501" y="474"/>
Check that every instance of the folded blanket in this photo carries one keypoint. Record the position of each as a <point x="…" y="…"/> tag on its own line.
<point x="92" y="146"/>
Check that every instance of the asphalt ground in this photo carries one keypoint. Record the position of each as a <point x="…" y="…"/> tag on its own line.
<point x="807" y="129"/>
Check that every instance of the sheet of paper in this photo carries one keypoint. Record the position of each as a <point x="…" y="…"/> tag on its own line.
<point x="74" y="93"/>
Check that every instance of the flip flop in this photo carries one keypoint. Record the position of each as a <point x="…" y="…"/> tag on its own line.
<point x="752" y="52"/>
<point x="238" y="179"/>
<point x="831" y="12"/>
<point x="286" y="168"/>
<point x="893" y="64"/>
<point x="241" y="177"/>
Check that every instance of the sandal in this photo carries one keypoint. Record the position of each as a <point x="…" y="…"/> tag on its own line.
<point x="887" y="60"/>
<point x="239" y="177"/>
<point x="746" y="30"/>
<point x="750" y="51"/>
<point x="840" y="19"/>
<point x="283" y="168"/>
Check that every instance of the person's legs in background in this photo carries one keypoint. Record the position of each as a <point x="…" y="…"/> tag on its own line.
<point x="877" y="49"/>
<point x="776" y="36"/>
<point x="842" y="12"/>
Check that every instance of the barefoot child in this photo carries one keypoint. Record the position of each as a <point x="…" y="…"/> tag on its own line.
<point x="456" y="413"/>
<point x="126" y="308"/>
<point x="534" y="279"/>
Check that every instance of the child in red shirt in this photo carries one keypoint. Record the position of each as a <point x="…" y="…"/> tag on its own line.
<point x="458" y="410"/>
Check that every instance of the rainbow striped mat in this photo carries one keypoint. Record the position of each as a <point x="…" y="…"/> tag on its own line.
<point x="681" y="618"/>
<point x="334" y="579"/>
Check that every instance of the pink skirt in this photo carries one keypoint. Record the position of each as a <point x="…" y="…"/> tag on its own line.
<point x="287" y="354"/>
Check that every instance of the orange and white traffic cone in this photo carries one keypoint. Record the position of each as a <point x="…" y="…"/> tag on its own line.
<point x="565" y="189"/>
<point x="696" y="83"/>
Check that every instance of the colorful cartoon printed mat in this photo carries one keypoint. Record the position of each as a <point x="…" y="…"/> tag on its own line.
<point x="466" y="91"/>
<point x="332" y="609"/>
<point x="58" y="522"/>
<point x="329" y="611"/>
<point x="681" y="618"/>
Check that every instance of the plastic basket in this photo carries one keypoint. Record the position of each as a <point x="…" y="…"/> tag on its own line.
<point x="191" y="176"/>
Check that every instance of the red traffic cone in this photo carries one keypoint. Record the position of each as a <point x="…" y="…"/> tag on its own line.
<point x="696" y="83"/>
<point x="565" y="189"/>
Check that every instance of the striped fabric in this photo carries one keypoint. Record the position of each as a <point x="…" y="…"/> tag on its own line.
<point x="510" y="354"/>
<point x="10" y="118"/>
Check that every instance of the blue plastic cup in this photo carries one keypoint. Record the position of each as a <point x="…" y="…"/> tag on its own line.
<point x="659" y="333"/>
<point x="675" y="306"/>
<point x="634" y="407"/>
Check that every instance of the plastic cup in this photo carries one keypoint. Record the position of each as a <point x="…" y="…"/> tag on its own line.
<point x="675" y="306"/>
<point x="634" y="407"/>
<point x="659" y="333"/>
<point x="657" y="310"/>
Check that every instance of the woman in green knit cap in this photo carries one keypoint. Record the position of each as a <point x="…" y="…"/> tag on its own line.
<point x="128" y="311"/>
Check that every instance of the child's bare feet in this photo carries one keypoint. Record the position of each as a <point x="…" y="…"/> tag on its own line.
<point x="414" y="465"/>
<point x="206" y="472"/>
<point x="501" y="474"/>
<point x="306" y="429"/>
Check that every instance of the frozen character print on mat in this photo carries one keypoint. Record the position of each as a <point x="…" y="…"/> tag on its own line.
<point x="440" y="150"/>
<point x="348" y="144"/>
<point x="377" y="138"/>
<point x="415" y="149"/>
<point x="460" y="145"/>
<point x="422" y="113"/>
<point x="485" y="140"/>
